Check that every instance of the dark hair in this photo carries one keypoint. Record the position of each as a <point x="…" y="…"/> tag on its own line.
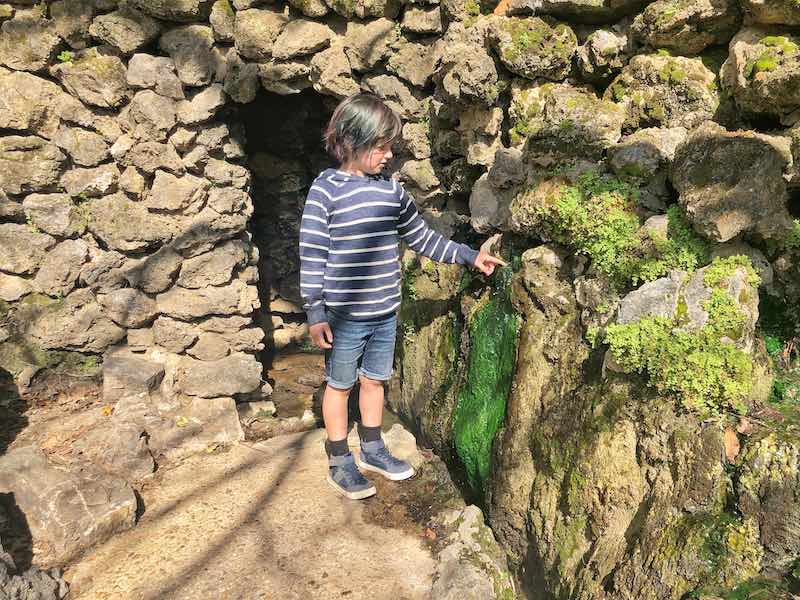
<point x="360" y="122"/>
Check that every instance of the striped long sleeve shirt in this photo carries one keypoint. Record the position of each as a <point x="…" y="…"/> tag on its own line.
<point x="349" y="245"/>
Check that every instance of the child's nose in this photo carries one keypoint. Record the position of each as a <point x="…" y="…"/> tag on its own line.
<point x="388" y="155"/>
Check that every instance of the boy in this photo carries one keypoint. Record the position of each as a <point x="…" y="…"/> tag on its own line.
<point x="350" y="280"/>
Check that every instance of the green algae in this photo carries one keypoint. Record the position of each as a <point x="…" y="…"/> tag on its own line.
<point x="481" y="405"/>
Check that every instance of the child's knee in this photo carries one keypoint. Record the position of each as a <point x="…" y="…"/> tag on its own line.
<point x="367" y="382"/>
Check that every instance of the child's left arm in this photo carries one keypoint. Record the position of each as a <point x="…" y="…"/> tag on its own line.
<point x="423" y="240"/>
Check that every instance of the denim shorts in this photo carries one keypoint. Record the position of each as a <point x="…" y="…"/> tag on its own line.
<point x="359" y="348"/>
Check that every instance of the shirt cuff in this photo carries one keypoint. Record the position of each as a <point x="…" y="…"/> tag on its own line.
<point x="316" y="314"/>
<point x="466" y="255"/>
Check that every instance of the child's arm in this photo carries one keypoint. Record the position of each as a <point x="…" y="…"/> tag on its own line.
<point x="423" y="240"/>
<point x="314" y="245"/>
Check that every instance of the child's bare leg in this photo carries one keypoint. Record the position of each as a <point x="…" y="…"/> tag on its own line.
<point x="334" y="412"/>
<point x="370" y="402"/>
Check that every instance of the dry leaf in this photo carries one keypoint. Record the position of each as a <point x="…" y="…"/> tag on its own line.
<point x="107" y="410"/>
<point x="181" y="422"/>
<point x="731" y="444"/>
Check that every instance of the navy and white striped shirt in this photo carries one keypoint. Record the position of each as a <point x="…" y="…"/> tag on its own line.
<point x="349" y="245"/>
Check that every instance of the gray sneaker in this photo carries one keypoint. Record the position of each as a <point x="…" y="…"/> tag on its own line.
<point x="375" y="456"/>
<point x="345" y="478"/>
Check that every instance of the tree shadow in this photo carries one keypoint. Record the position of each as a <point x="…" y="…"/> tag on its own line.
<point x="12" y="410"/>
<point x="15" y="534"/>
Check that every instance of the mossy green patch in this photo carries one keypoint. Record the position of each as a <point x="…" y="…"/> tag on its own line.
<point x="722" y="269"/>
<point x="480" y="410"/>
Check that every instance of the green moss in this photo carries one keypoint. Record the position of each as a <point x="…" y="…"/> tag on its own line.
<point x="597" y="217"/>
<point x="65" y="56"/>
<point x="671" y="73"/>
<point x="481" y="405"/>
<point x="618" y="91"/>
<point x="782" y="43"/>
<point x="707" y="375"/>
<point x="226" y="7"/>
<point x="472" y="8"/>
<point x="722" y="269"/>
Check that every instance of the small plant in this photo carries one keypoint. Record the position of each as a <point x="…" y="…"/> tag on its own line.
<point x="65" y="56"/>
<point x="31" y="225"/>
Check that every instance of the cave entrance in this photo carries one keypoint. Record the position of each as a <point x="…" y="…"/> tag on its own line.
<point x="284" y="152"/>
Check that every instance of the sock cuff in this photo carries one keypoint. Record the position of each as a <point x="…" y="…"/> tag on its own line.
<point x="337" y="447"/>
<point x="369" y="434"/>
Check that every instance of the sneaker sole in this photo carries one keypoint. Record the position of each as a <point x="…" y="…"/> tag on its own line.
<point x="392" y="476"/>
<point x="360" y="495"/>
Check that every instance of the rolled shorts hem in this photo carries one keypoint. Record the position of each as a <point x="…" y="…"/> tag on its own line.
<point x="338" y="385"/>
<point x="373" y="376"/>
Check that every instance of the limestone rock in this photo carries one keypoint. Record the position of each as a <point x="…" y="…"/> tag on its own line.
<point x="152" y="156"/>
<point x="762" y="72"/>
<point x="101" y="272"/>
<point x="201" y="232"/>
<point x="154" y="273"/>
<point x="28" y="164"/>
<point x="54" y="214"/>
<point x="155" y="72"/>
<point x="29" y="103"/>
<point x="124" y="225"/>
<point x="368" y="44"/>
<point x="571" y="121"/>
<point x="230" y="299"/>
<point x="186" y="193"/>
<point x="27" y="42"/>
<point x="85" y="147"/>
<point x="23" y="250"/>
<point x="300" y="38"/>
<point x="581" y="11"/>
<point x="132" y="182"/>
<point x="152" y="115"/>
<point x="480" y="133"/>
<point x="235" y="374"/>
<point x="732" y="182"/>
<point x="10" y="210"/>
<point x="256" y="31"/>
<point x="772" y="12"/>
<point x="241" y="79"/>
<point x="665" y="91"/>
<point x="466" y="73"/>
<point x="201" y="106"/>
<point x="413" y="61"/>
<point x="228" y="200"/>
<point x="419" y="177"/>
<point x="425" y="21"/>
<point x="191" y="47"/>
<point x="91" y="183"/>
<point x="285" y="78"/>
<point x="96" y="75"/>
<point x="126" y="29"/>
<point x="330" y="73"/>
<point x="65" y="512"/>
<point x="119" y="447"/>
<point x="365" y="9"/>
<point x="507" y="169"/>
<point x="687" y="28"/>
<point x="488" y="206"/>
<point x="531" y="48"/>
<point x="13" y="288"/>
<point x="209" y="347"/>
<point x="128" y="307"/>
<point x="395" y="94"/>
<point x="213" y="268"/>
<point x="140" y="340"/>
<point x="60" y="268"/>
<point x="125" y="374"/>
<point x="760" y="262"/>
<point x="416" y="140"/>
<point x="175" y="10"/>
<point x="657" y="298"/>
<point x="173" y="335"/>
<point x="75" y="323"/>
<point x="310" y="8"/>
<point x="222" y="19"/>
<point x="603" y="55"/>
<point x="224" y="173"/>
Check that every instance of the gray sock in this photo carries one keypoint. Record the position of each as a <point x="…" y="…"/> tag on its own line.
<point x="338" y="447"/>
<point x="369" y="434"/>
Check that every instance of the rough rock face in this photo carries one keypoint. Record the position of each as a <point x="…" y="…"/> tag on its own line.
<point x="750" y="196"/>
<point x="530" y="48"/>
<point x="66" y="512"/>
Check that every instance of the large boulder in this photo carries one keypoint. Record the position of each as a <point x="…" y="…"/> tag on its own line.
<point x="77" y="322"/>
<point x="126" y="29"/>
<point x="152" y="116"/>
<point x="125" y="225"/>
<point x="215" y="267"/>
<point x="772" y="12"/>
<point x="186" y="193"/>
<point x="175" y="10"/>
<point x="152" y="156"/>
<point x="396" y="94"/>
<point x="241" y="79"/>
<point x="155" y="72"/>
<point x="127" y="374"/>
<point x="286" y="78"/>
<point x="191" y="47"/>
<point x="603" y="55"/>
<point x="72" y="19"/>
<point x="413" y="61"/>
<point x="86" y="148"/>
<point x="466" y="73"/>
<point x="367" y="44"/>
<point x="330" y="73"/>
<point x="235" y="374"/>
<point x="97" y="76"/>
<point x="201" y="106"/>
<point x="582" y="11"/>
<point x="256" y="31"/>
<point x="91" y="182"/>
<point x="29" y="164"/>
<point x="762" y="72"/>
<point x="154" y="273"/>
<point x="181" y="303"/>
<point x="13" y="288"/>
<point x="29" y="103"/>
<point x="23" y="250"/>
<point x="222" y="19"/>
<point x="61" y="267"/>
<point x="128" y="307"/>
<point x="665" y="91"/>
<point x="301" y="37"/>
<point x="28" y="42"/>
<point x="55" y="214"/>
<point x="733" y="182"/>
<point x="531" y="48"/>
<point x="65" y="512"/>
<point x="687" y="28"/>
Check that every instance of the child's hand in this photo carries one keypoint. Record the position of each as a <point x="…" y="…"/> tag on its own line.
<point x="321" y="335"/>
<point x="486" y="263"/>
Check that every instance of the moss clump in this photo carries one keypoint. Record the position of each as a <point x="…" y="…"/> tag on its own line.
<point x="481" y="405"/>
<point x="792" y="241"/>
<point x="707" y="375"/>
<point x="722" y="269"/>
<point x="472" y="8"/>
<point x="597" y="218"/>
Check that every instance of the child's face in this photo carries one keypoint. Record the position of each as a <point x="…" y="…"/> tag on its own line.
<point x="374" y="160"/>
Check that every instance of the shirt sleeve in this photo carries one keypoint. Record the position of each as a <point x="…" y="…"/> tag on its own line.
<point x="415" y="232"/>
<point x="314" y="245"/>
